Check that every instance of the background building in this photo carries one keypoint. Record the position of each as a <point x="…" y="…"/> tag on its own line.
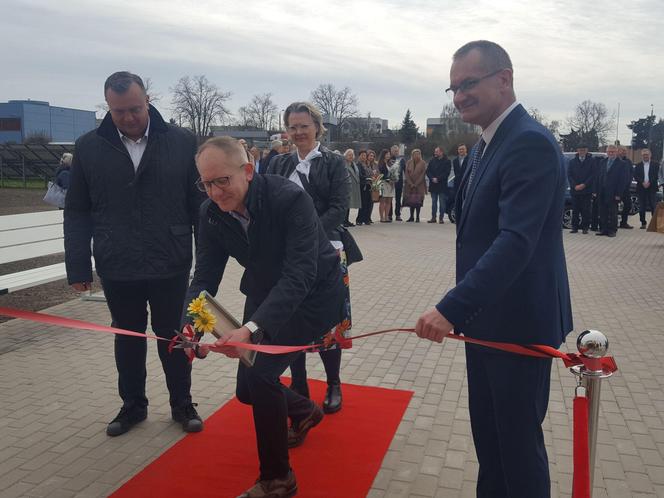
<point x="24" y="120"/>
<point x="448" y="126"/>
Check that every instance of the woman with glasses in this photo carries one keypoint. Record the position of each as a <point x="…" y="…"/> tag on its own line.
<point x="324" y="176"/>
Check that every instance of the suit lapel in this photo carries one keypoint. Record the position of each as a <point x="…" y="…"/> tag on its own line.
<point x="490" y="150"/>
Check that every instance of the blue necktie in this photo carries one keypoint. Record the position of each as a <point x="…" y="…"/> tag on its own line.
<point x="473" y="167"/>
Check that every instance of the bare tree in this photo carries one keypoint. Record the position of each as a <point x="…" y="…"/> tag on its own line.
<point x="449" y="111"/>
<point x="199" y="104"/>
<point x="261" y="112"/>
<point x="591" y="118"/>
<point x="553" y="126"/>
<point x="339" y="104"/>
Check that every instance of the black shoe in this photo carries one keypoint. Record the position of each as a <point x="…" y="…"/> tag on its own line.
<point x="612" y="234"/>
<point x="389" y="218"/>
<point x="410" y="220"/>
<point x="593" y="229"/>
<point x="301" y="389"/>
<point x="441" y="220"/>
<point x="574" y="230"/>
<point x="297" y="433"/>
<point x="432" y="220"/>
<point x="125" y="420"/>
<point x="272" y="488"/>
<point x="332" y="403"/>
<point x="585" y="231"/>
<point x="643" y="226"/>
<point x="417" y="220"/>
<point x="399" y="218"/>
<point x="626" y="225"/>
<point x="601" y="233"/>
<point x="188" y="417"/>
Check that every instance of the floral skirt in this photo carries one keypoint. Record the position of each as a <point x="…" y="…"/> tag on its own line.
<point x="339" y="335"/>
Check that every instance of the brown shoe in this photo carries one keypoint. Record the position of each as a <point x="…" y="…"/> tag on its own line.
<point x="273" y="488"/>
<point x="297" y="434"/>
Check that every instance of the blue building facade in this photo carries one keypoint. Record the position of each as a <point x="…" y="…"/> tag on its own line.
<point x="20" y="119"/>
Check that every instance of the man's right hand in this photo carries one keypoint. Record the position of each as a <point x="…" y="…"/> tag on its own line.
<point x="82" y="286"/>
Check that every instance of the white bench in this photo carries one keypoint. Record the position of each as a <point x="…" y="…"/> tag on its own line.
<point x="30" y="235"/>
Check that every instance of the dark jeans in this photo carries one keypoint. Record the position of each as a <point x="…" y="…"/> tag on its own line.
<point x="647" y="202"/>
<point x="437" y="197"/>
<point x="331" y="361"/>
<point x="608" y="215"/>
<point x="364" y="213"/>
<point x="127" y="302"/>
<point x="627" y="207"/>
<point x="580" y="209"/>
<point x="508" y="395"/>
<point x="272" y="404"/>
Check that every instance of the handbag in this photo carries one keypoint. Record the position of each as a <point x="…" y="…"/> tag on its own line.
<point x="352" y="250"/>
<point x="55" y="195"/>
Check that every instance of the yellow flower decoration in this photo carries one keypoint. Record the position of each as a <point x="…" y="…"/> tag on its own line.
<point x="196" y="306"/>
<point x="204" y="322"/>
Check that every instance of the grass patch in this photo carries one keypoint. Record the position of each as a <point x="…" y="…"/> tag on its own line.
<point x="31" y="183"/>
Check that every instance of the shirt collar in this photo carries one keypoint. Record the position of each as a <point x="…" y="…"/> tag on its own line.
<point x="315" y="150"/>
<point x="489" y="132"/>
<point x="123" y="137"/>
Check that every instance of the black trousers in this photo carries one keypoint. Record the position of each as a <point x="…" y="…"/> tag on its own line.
<point x="128" y="302"/>
<point x="627" y="206"/>
<point x="331" y="361"/>
<point x="594" y="212"/>
<point x="364" y="213"/>
<point x="580" y="209"/>
<point x="508" y="395"/>
<point x="647" y="202"/>
<point x="398" y="191"/>
<point x="608" y="215"/>
<point x="272" y="404"/>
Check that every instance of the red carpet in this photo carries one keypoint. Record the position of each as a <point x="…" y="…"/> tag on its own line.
<point x="340" y="457"/>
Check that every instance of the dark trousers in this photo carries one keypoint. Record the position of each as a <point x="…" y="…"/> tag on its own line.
<point x="364" y="213"/>
<point x="508" y="395"/>
<point x="594" y="212"/>
<point x="647" y="202"/>
<point x="608" y="215"/>
<point x="331" y="361"/>
<point x="398" y="191"/>
<point x="580" y="209"/>
<point x="127" y="302"/>
<point x="436" y="198"/>
<point x="627" y="206"/>
<point x="272" y="404"/>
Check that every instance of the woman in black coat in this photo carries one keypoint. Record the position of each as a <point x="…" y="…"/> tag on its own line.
<point x="324" y="176"/>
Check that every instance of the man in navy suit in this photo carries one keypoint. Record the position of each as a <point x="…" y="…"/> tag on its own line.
<point x="609" y="187"/>
<point x="511" y="273"/>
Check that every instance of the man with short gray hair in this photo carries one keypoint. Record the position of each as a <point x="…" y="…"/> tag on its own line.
<point x="132" y="194"/>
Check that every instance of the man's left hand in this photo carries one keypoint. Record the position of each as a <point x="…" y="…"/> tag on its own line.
<point x="242" y="334"/>
<point x="433" y="326"/>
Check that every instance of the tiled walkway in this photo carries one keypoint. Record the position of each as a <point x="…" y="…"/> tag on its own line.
<point x="58" y="387"/>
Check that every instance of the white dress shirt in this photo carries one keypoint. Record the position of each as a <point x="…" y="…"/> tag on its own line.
<point x="135" y="148"/>
<point x="646" y="171"/>
<point x="490" y="131"/>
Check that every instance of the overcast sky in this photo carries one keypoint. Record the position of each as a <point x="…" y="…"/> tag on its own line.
<point x="394" y="54"/>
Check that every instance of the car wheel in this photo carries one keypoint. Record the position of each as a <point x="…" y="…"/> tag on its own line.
<point x="567" y="218"/>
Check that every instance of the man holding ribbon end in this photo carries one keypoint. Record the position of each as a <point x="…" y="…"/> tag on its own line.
<point x="294" y="288"/>
<point x="512" y="281"/>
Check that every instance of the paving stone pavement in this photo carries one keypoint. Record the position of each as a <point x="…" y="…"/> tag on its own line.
<point x="58" y="388"/>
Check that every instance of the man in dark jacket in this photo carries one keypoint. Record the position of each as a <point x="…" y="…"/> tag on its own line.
<point x="459" y="165"/>
<point x="580" y="173"/>
<point x="646" y="174"/>
<point x="438" y="171"/>
<point x="609" y="186"/>
<point x="626" y="195"/>
<point x="132" y="193"/>
<point x="294" y="288"/>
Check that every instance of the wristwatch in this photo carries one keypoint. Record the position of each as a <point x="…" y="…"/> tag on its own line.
<point x="256" y="332"/>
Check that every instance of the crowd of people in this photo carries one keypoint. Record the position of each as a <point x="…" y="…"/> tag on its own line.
<point x="599" y="184"/>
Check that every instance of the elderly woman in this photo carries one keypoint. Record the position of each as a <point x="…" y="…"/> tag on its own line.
<point x="324" y="176"/>
<point x="414" y="185"/>
<point x="356" y="174"/>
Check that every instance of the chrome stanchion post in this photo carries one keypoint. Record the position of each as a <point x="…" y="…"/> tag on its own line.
<point x="592" y="344"/>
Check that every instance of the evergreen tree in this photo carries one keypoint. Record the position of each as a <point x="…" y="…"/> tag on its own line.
<point x="408" y="131"/>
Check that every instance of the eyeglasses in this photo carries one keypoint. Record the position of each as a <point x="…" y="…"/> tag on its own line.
<point x="469" y="84"/>
<point x="220" y="182"/>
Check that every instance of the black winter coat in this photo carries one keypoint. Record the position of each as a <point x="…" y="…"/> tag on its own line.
<point x="581" y="172"/>
<point x="292" y="278"/>
<point x="610" y="184"/>
<point x="438" y="168"/>
<point x="330" y="186"/>
<point x="140" y="222"/>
